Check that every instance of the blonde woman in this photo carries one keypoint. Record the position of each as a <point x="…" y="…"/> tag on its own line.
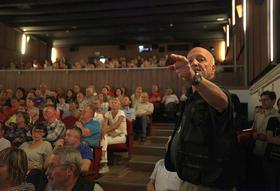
<point x="113" y="131"/>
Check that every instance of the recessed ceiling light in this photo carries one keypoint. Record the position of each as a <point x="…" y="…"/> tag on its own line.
<point x="171" y="25"/>
<point x="220" y="19"/>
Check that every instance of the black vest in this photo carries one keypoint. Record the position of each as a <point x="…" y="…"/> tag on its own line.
<point x="207" y="152"/>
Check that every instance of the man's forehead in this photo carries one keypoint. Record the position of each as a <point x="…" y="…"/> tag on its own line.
<point x="199" y="51"/>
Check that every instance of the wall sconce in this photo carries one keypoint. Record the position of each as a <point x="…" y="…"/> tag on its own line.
<point x="233" y="12"/>
<point x="23" y="44"/>
<point x="239" y="10"/>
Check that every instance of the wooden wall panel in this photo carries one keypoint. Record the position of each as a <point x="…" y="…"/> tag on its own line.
<point x="116" y="78"/>
<point x="10" y="45"/>
<point x="257" y="38"/>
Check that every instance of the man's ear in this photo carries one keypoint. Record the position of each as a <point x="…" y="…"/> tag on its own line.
<point x="71" y="169"/>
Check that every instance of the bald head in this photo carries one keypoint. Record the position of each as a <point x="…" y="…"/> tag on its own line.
<point x="202" y="61"/>
<point x="205" y="52"/>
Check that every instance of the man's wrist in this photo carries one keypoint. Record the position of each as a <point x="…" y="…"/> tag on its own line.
<point x="196" y="79"/>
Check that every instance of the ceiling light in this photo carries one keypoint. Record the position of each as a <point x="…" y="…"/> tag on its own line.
<point x="171" y="25"/>
<point x="220" y="19"/>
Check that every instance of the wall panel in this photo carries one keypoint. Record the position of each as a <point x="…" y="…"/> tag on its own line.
<point x="129" y="78"/>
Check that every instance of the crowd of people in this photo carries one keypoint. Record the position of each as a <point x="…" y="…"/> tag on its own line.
<point x="39" y="120"/>
<point x="55" y="132"/>
<point x="98" y="62"/>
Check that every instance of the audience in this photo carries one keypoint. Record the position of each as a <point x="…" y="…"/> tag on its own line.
<point x="62" y="63"/>
<point x="4" y="143"/>
<point x="170" y="102"/>
<point x="19" y="132"/>
<point x="162" y="179"/>
<point x="114" y="130"/>
<point x="37" y="150"/>
<point x="256" y="178"/>
<point x="155" y="99"/>
<point x="272" y="154"/>
<point x="143" y="111"/>
<point x="64" y="169"/>
<point x="56" y="128"/>
<point x="135" y="98"/>
<point x="90" y="128"/>
<point x="73" y="139"/>
<point x="128" y="111"/>
<point x="105" y="124"/>
<point x="13" y="169"/>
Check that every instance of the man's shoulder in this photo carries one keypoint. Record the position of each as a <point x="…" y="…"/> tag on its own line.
<point x="83" y="147"/>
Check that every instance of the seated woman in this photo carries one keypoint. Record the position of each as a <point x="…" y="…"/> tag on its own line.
<point x="114" y="130"/>
<point x="19" y="132"/>
<point x="13" y="169"/>
<point x="37" y="150"/>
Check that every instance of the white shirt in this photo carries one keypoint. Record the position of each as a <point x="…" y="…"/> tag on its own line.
<point x="163" y="179"/>
<point x="98" y="117"/>
<point x="142" y="108"/>
<point x="171" y="98"/>
<point x="122" y="128"/>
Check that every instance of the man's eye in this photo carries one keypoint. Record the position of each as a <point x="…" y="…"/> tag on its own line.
<point x="201" y="59"/>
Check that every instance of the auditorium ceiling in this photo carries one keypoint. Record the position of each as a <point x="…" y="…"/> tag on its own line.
<point x="90" y="22"/>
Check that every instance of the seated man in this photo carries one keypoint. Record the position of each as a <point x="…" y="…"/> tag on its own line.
<point x="98" y="115"/>
<point x="90" y="128"/>
<point x="143" y="110"/>
<point x="114" y="130"/>
<point x="73" y="139"/>
<point x="63" y="171"/>
<point x="56" y="128"/>
<point x="162" y="179"/>
<point x="128" y="111"/>
<point x="170" y="104"/>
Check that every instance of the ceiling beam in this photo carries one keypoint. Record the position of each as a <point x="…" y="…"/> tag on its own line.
<point x="154" y="12"/>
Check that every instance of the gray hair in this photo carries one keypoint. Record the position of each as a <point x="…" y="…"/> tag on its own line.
<point x="69" y="155"/>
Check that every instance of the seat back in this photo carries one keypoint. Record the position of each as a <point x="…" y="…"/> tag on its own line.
<point x="124" y="147"/>
<point x="69" y="121"/>
<point x="94" y="166"/>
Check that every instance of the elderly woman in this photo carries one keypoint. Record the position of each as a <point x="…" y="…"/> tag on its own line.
<point x="13" y="169"/>
<point x="37" y="150"/>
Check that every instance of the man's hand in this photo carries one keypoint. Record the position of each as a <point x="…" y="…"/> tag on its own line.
<point x="182" y="67"/>
<point x="79" y="124"/>
<point x="59" y="143"/>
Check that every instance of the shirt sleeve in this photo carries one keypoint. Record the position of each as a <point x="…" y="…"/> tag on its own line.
<point x="272" y="123"/>
<point x="154" y="173"/>
<point x="87" y="153"/>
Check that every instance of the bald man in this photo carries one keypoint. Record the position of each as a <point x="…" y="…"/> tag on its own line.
<point x="203" y="150"/>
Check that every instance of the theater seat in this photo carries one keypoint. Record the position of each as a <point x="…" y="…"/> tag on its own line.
<point x="94" y="166"/>
<point x="124" y="147"/>
<point x="69" y="121"/>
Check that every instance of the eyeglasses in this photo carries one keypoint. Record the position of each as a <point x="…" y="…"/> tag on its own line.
<point x="37" y="131"/>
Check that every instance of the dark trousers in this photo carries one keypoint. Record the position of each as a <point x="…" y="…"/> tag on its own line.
<point x="272" y="174"/>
